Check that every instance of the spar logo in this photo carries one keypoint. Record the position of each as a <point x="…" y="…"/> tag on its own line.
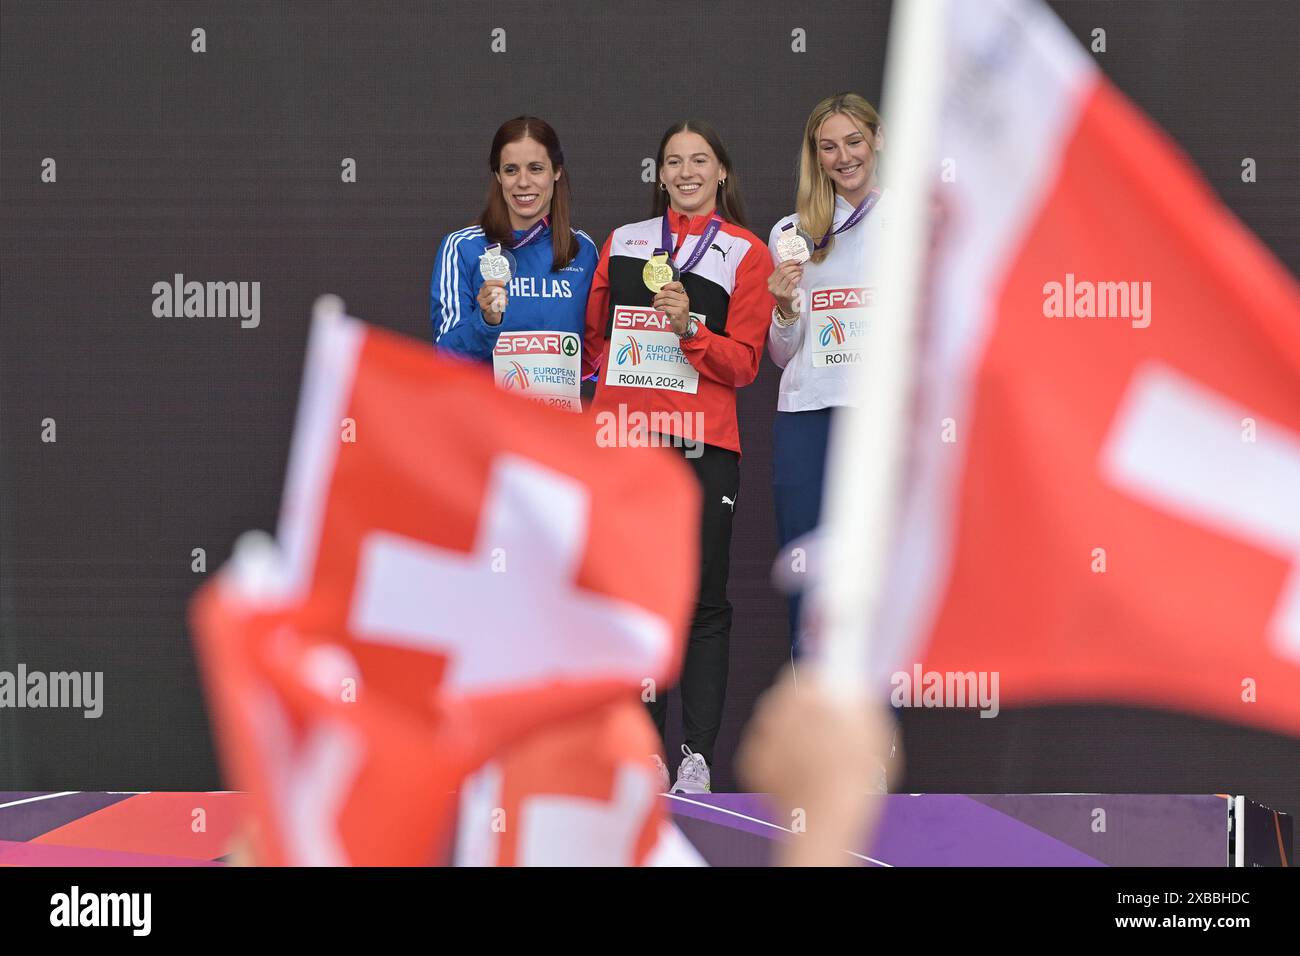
<point x="833" y="329"/>
<point x="854" y="298"/>
<point x="630" y="353"/>
<point x="641" y="319"/>
<point x="516" y="378"/>
<point x="535" y="343"/>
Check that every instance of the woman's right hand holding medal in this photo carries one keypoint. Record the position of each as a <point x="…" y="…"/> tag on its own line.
<point x="783" y="283"/>
<point x="492" y="301"/>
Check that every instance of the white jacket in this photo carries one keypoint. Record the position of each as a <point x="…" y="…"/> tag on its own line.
<point x="837" y="305"/>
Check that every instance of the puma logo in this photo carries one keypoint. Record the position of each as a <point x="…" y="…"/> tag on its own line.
<point x="729" y="501"/>
<point x="723" y="252"/>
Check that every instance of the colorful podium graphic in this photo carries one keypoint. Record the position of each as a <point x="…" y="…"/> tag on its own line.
<point x="727" y="829"/>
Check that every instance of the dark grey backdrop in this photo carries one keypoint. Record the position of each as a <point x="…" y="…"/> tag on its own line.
<point x="172" y="433"/>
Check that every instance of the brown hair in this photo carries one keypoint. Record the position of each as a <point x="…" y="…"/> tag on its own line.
<point x="728" y="196"/>
<point x="495" y="218"/>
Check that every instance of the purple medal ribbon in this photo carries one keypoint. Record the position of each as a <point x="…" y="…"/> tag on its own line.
<point x="855" y="217"/>
<point x="532" y="233"/>
<point x="701" y="247"/>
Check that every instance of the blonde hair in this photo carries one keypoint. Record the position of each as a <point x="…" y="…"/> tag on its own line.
<point x="815" y="199"/>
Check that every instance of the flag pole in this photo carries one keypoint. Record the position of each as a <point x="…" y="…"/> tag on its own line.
<point x="868" y="439"/>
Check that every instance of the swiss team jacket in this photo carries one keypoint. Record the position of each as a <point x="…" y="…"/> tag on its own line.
<point x="537" y="299"/>
<point x="727" y="287"/>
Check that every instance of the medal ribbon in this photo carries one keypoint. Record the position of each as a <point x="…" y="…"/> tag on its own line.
<point x="532" y="233"/>
<point x="701" y="247"/>
<point x="855" y="217"/>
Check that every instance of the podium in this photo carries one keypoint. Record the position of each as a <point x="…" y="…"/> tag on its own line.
<point x="725" y="829"/>
<point x="1046" y="829"/>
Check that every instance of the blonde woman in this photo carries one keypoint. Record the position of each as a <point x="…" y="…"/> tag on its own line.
<point x="824" y="300"/>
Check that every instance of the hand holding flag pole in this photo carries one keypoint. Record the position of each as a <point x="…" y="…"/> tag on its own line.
<point x="833" y="701"/>
<point x="865" y="457"/>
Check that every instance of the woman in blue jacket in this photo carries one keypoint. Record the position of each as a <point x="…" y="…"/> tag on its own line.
<point x="528" y="216"/>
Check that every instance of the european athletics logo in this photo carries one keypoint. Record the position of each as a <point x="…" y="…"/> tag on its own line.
<point x="630" y="352"/>
<point x="517" y="377"/>
<point x="833" y="328"/>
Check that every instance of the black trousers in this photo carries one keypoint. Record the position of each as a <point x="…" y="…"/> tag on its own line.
<point x="703" y="684"/>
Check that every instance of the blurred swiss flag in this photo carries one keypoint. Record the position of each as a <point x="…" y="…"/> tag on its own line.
<point x="579" y="792"/>
<point x="1104" y="495"/>
<point x="455" y="569"/>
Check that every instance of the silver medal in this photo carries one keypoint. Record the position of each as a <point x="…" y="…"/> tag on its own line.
<point x="792" y="245"/>
<point x="494" y="265"/>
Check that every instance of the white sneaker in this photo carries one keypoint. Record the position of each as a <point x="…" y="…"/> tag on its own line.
<point x="662" y="780"/>
<point x="692" y="775"/>
<point x="881" y="779"/>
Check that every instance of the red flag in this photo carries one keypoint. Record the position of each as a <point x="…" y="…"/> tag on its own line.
<point x="333" y="778"/>
<point x="581" y="792"/>
<point x="460" y="567"/>
<point x="1105" y="498"/>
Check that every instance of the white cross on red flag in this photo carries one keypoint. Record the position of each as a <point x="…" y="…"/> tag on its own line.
<point x="456" y="568"/>
<point x="1104" y="501"/>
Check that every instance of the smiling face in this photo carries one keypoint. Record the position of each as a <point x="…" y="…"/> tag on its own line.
<point x="847" y="155"/>
<point x="527" y="181"/>
<point x="691" y="172"/>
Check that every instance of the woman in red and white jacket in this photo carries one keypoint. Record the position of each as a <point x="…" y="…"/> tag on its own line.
<point x="676" y="321"/>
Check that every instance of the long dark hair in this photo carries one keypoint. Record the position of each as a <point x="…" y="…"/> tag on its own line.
<point x="495" y="218"/>
<point x="728" y="196"/>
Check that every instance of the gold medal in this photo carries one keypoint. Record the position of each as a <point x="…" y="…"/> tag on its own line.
<point x="658" y="272"/>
